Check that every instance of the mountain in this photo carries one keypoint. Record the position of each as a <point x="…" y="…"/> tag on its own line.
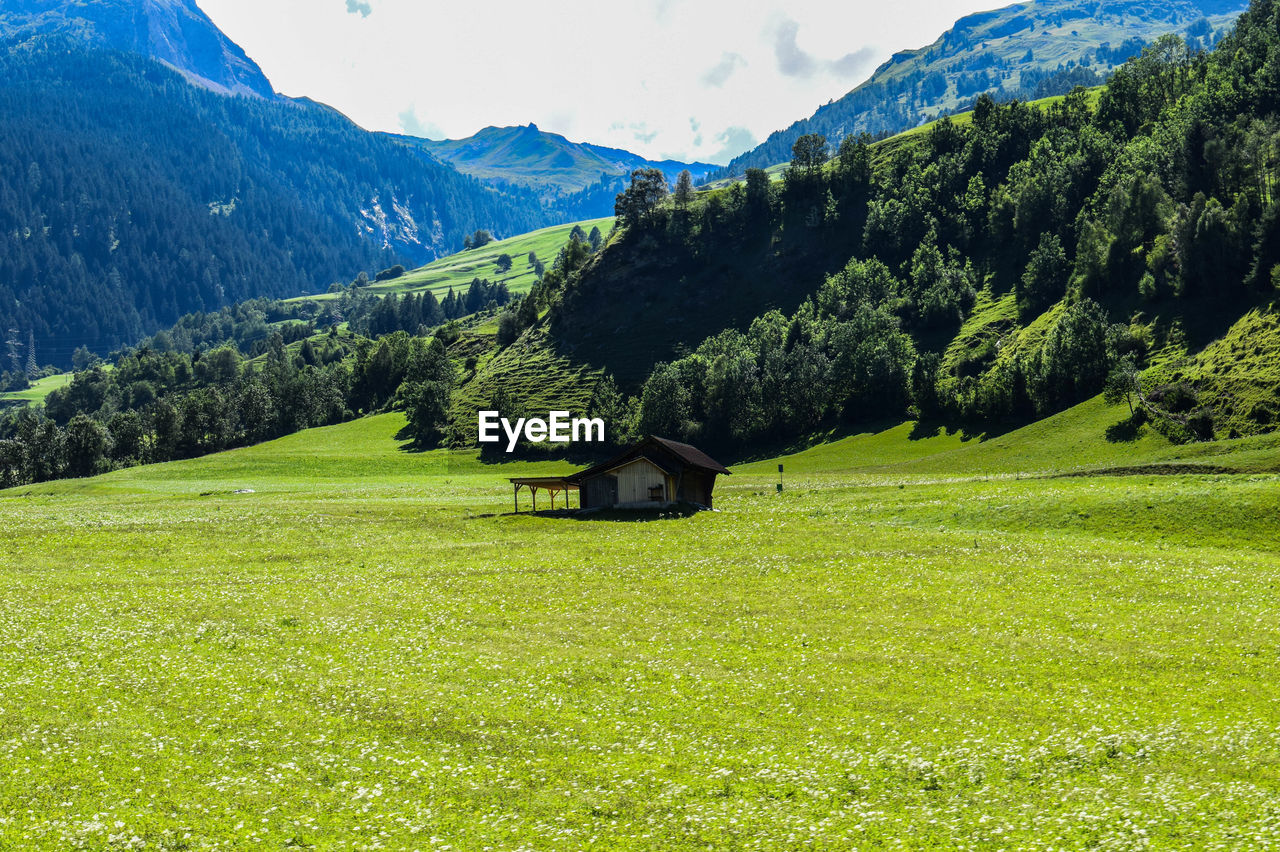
<point x="1028" y="50"/>
<point x="545" y="162"/>
<point x="175" y="32"/>
<point x="134" y="188"/>
<point x="129" y="197"/>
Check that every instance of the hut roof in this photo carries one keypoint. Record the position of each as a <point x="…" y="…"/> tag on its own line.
<point x="653" y="449"/>
<point x="692" y="456"/>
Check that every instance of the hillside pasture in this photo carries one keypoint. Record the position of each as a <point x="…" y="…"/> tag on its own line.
<point x="925" y="640"/>
<point x="457" y="271"/>
<point x="37" y="392"/>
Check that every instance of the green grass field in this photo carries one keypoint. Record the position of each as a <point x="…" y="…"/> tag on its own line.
<point x="776" y="173"/>
<point x="926" y="640"/>
<point x="39" y="390"/>
<point x="458" y="270"/>
<point x="531" y="371"/>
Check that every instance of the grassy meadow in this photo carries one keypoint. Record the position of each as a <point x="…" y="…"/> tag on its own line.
<point x="37" y="392"/>
<point x="459" y="270"/>
<point x="927" y="639"/>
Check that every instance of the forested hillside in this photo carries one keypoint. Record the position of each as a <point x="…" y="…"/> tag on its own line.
<point x="129" y="197"/>
<point x="1029" y="50"/>
<point x="988" y="271"/>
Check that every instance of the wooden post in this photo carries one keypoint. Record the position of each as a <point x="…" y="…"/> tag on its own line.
<point x="534" y="490"/>
<point x="515" y="496"/>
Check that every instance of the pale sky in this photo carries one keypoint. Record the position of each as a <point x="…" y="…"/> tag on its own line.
<point x="680" y="79"/>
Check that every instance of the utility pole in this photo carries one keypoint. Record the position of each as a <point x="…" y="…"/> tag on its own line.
<point x="32" y="366"/>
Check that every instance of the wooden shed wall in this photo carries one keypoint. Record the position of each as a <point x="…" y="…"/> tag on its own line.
<point x="635" y="480"/>
<point x="599" y="490"/>
<point x="696" y="487"/>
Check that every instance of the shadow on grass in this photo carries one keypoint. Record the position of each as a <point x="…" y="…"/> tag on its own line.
<point x="773" y="448"/>
<point x="670" y="513"/>
<point x="523" y="453"/>
<point x="923" y="429"/>
<point x="406" y="434"/>
<point x="1125" y="431"/>
<point x="680" y="511"/>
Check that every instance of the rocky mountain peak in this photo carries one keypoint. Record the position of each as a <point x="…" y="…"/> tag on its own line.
<point x="176" y="32"/>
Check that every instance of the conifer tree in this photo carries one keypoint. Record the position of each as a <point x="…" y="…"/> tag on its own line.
<point x="684" y="190"/>
<point x="14" y="345"/>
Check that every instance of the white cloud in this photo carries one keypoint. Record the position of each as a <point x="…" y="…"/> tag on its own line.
<point x="793" y="61"/>
<point x="624" y="75"/>
<point x="412" y="124"/>
<point x="733" y="141"/>
<point x="719" y="74"/>
<point x="642" y="134"/>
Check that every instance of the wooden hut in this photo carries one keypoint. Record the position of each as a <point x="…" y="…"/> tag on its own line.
<point x="653" y="473"/>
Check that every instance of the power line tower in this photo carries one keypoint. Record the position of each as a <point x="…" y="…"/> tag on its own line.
<point x="32" y="367"/>
<point x="15" y="347"/>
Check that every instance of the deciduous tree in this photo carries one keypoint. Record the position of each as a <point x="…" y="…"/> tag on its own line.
<point x="636" y="205"/>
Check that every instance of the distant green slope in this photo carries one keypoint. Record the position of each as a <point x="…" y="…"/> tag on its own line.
<point x="533" y="158"/>
<point x="1070" y="442"/>
<point x="39" y="389"/>
<point x="775" y="172"/>
<point x="458" y="270"/>
<point x="1009" y="52"/>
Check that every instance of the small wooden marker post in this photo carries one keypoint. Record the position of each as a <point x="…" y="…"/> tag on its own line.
<point x="779" y="478"/>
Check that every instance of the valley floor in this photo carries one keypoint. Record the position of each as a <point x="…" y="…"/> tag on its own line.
<point x="922" y="641"/>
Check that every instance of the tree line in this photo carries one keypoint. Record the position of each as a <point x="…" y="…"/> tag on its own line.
<point x="157" y="406"/>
